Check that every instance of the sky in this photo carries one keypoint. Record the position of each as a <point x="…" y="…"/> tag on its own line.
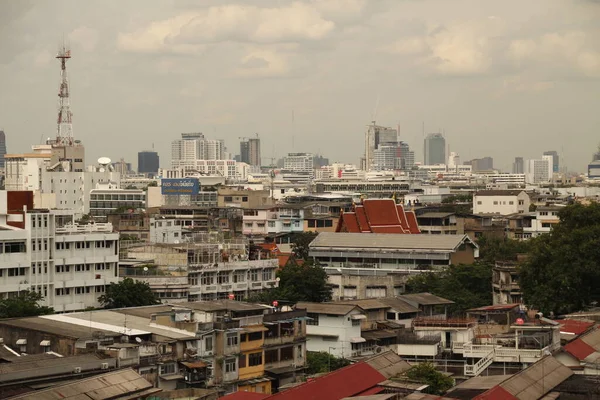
<point x="499" y="78"/>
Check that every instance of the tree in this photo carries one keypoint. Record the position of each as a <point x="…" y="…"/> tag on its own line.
<point x="300" y="243"/>
<point x="26" y="304"/>
<point x="427" y="374"/>
<point x="128" y="293"/>
<point x="318" y="362"/>
<point x="562" y="271"/>
<point x="500" y="249"/>
<point x="469" y="286"/>
<point x="306" y="282"/>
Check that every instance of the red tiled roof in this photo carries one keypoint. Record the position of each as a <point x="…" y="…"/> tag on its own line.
<point x="579" y="349"/>
<point x="345" y="382"/>
<point x="412" y="222"/>
<point x="378" y="216"/>
<point x="496" y="393"/>
<point x="574" y="326"/>
<point x="245" y="396"/>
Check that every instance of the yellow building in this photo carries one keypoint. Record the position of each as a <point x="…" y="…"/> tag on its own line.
<point x="252" y="361"/>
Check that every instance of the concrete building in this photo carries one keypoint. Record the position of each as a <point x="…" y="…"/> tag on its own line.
<point x="68" y="264"/>
<point x="300" y="163"/>
<point x="2" y="148"/>
<point x="518" y="166"/>
<point x="148" y="162"/>
<point x="481" y="164"/>
<point x="505" y="283"/>
<point x="243" y="198"/>
<point x="555" y="160"/>
<point x="434" y="149"/>
<point x="250" y="151"/>
<point x="502" y="202"/>
<point x="194" y="146"/>
<point x="228" y="169"/>
<point x="273" y="220"/>
<point x="539" y="170"/>
<point x="376" y="136"/>
<point x="107" y="199"/>
<point x="389" y="252"/>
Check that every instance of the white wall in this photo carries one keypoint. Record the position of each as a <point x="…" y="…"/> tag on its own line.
<point x="502" y="205"/>
<point x="330" y="325"/>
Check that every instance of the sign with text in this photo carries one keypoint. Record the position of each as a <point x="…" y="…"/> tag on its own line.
<point x="186" y="186"/>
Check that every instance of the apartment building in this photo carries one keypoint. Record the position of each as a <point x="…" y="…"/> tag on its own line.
<point x="273" y="220"/>
<point x="501" y="202"/>
<point x="45" y="251"/>
<point x="108" y="199"/>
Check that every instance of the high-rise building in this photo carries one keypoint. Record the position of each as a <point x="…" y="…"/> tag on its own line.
<point x="194" y="146"/>
<point x="250" y="151"/>
<point x="2" y="148"/>
<point x="299" y="162"/>
<point x="539" y="171"/>
<point x="481" y="164"/>
<point x="518" y="166"/>
<point x="374" y="137"/>
<point x="148" y="162"/>
<point x="393" y="156"/>
<point x="434" y="149"/>
<point x="555" y="162"/>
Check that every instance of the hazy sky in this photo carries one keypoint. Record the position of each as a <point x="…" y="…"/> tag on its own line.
<point x="502" y="78"/>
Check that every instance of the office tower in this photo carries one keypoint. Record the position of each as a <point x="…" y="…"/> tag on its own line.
<point x="194" y="146"/>
<point x="554" y="154"/>
<point x="250" y="151"/>
<point x="299" y="162"/>
<point x="518" y="166"/>
<point x="393" y="156"/>
<point x="434" y="149"/>
<point x="481" y="164"/>
<point x="2" y="148"/>
<point x="374" y="137"/>
<point x="539" y="170"/>
<point x="320" y="161"/>
<point x="148" y="162"/>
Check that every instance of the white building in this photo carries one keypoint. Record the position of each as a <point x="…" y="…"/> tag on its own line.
<point x="272" y="220"/>
<point x="69" y="265"/>
<point x="501" y="202"/>
<point x="165" y="230"/>
<point x="108" y="198"/>
<point x="194" y="146"/>
<point x="539" y="171"/>
<point x="228" y="169"/>
<point x="440" y="169"/>
<point x="333" y="328"/>
<point x="300" y="163"/>
<point x="453" y="160"/>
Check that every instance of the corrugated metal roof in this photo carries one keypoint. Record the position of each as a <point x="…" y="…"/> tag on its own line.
<point x="377" y="241"/>
<point x="399" y="305"/>
<point x="425" y="298"/>
<point x="389" y="364"/>
<point x="575" y="326"/>
<point x="497" y="307"/>
<point x="344" y="382"/>
<point x="326" y="308"/>
<point x="365" y="304"/>
<point x="101" y="387"/>
<point x="584" y="346"/>
<point x="222" y="305"/>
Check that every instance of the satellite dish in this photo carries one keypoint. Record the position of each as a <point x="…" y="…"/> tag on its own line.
<point x="137" y="339"/>
<point x="104" y="161"/>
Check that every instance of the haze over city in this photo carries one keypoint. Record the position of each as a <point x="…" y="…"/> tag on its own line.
<point x="506" y="80"/>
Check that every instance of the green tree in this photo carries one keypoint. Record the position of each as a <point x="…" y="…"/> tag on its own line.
<point x="427" y="374"/>
<point x="469" y="286"/>
<point x="562" y="271"/>
<point x="500" y="249"/>
<point x="128" y="293"/>
<point x="318" y="362"/>
<point x="26" y="304"/>
<point x="300" y="242"/>
<point x="305" y="282"/>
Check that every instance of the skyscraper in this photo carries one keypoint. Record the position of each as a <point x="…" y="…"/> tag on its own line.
<point x="194" y="146"/>
<point x="374" y="137"/>
<point x="2" y="148"/>
<point x="518" y="166"/>
<point x="434" y="149"/>
<point x="554" y="155"/>
<point x="148" y="162"/>
<point x="250" y="151"/>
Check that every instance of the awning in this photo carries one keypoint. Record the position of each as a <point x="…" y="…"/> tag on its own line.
<point x="44" y="343"/>
<point x="357" y="340"/>
<point x="21" y="342"/>
<point x="192" y="365"/>
<point x="359" y="316"/>
<point x="255" y="328"/>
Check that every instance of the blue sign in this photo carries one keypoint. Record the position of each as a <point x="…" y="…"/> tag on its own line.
<point x="178" y="187"/>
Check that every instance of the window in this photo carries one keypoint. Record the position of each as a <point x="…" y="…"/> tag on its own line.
<point x="242" y="361"/>
<point x="521" y="202"/>
<point x="267" y="275"/>
<point x="390" y="315"/>
<point x="230" y="365"/>
<point x="228" y="199"/>
<point x="232" y="339"/>
<point x="314" y="319"/>
<point x="208" y="343"/>
<point x="239" y="276"/>
<point x="167" y="369"/>
<point x="255" y="336"/>
<point x="254" y="275"/>
<point x="495" y="203"/>
<point x="255" y="359"/>
<point x="271" y="224"/>
<point x="223" y="277"/>
<point x="245" y="199"/>
<point x="510" y="203"/>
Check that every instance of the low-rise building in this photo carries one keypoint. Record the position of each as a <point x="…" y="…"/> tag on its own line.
<point x="273" y="220"/>
<point x="501" y="202"/>
<point x="440" y="223"/>
<point x="243" y="198"/>
<point x="505" y="283"/>
<point x="107" y="200"/>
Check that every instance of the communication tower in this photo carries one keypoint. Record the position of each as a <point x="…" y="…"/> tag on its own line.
<point x="64" y="132"/>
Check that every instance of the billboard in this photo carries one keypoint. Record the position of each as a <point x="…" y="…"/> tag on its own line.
<point x="178" y="187"/>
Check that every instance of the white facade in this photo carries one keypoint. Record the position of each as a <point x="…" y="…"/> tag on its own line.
<point x="194" y="146"/>
<point x="334" y="334"/>
<point x="436" y="169"/>
<point x="453" y="160"/>
<point x="502" y="202"/>
<point x="299" y="162"/>
<point x="68" y="265"/>
<point x="229" y="169"/>
<point x="539" y="171"/>
<point x="165" y="230"/>
<point x="106" y="200"/>
<point x="273" y="220"/>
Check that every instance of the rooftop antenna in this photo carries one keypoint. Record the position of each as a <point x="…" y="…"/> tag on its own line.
<point x="64" y="131"/>
<point x="293" y="130"/>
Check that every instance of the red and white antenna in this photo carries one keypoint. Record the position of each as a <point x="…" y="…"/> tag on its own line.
<point x="64" y="132"/>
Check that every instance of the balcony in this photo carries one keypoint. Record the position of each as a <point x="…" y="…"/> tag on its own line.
<point x="506" y="354"/>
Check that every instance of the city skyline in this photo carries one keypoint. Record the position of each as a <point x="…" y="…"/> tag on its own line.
<point x="500" y="83"/>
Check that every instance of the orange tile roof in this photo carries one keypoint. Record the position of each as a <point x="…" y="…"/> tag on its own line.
<point x="378" y="216"/>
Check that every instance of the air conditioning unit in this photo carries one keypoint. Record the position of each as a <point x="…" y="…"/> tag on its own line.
<point x="209" y="353"/>
<point x="104" y="366"/>
<point x="77" y="370"/>
<point x="378" y="349"/>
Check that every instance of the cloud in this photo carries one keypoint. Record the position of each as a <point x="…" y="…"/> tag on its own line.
<point x="237" y="23"/>
<point x="263" y="63"/>
<point x="85" y="37"/>
<point x="574" y="50"/>
<point x="461" y="48"/>
<point x="522" y="84"/>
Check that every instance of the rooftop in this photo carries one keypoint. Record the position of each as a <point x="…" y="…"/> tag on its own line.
<point x="389" y="241"/>
<point x="326" y="308"/>
<point x="222" y="305"/>
<point x="426" y="299"/>
<point x="498" y="192"/>
<point x="496" y="307"/>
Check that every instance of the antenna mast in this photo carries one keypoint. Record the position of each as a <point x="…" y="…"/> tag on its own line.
<point x="64" y="132"/>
